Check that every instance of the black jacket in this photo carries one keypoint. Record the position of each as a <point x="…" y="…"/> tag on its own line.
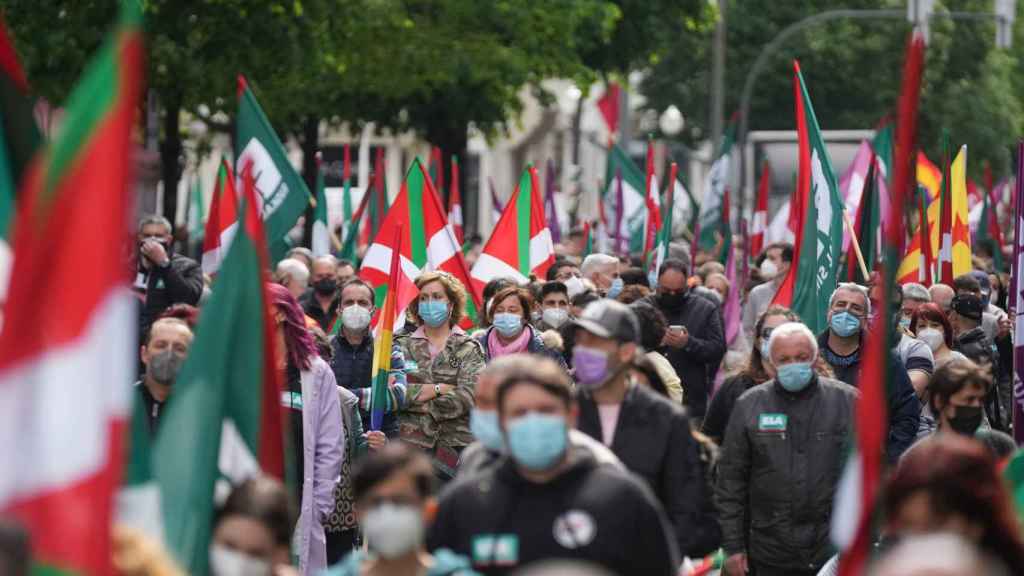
<point x="722" y="404"/>
<point x="904" y="407"/>
<point x="653" y="440"/>
<point x="697" y="362"/>
<point x="979" y="348"/>
<point x="312" y="309"/>
<point x="179" y="283"/>
<point x="778" y="470"/>
<point x="503" y="522"/>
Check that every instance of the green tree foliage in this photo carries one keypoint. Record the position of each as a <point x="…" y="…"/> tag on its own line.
<point x="853" y="70"/>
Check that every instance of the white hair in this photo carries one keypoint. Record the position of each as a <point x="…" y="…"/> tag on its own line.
<point x="916" y="292"/>
<point x="852" y="287"/>
<point x="792" y="329"/>
<point x="293" y="268"/>
<point x="593" y="262"/>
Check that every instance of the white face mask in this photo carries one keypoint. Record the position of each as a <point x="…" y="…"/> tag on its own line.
<point x="393" y="530"/>
<point x="932" y="337"/>
<point x="768" y="269"/>
<point x="227" y="562"/>
<point x="355" y="317"/>
<point x="555" y="317"/>
<point x="574" y="286"/>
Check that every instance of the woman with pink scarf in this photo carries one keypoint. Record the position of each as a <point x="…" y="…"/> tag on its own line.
<point x="510" y="331"/>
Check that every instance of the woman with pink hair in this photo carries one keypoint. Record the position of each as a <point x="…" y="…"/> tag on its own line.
<point x="310" y="399"/>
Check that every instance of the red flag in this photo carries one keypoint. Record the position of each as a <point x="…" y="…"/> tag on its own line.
<point x="455" y="203"/>
<point x="651" y="200"/>
<point x="609" y="106"/>
<point x="346" y="170"/>
<point x="223" y="220"/>
<point x="759" y="224"/>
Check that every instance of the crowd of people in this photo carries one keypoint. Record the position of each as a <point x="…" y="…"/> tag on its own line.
<point x="599" y="416"/>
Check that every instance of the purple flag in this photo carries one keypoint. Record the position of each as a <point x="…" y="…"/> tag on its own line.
<point x="731" y="309"/>
<point x="1016" y="302"/>
<point x="496" y="206"/>
<point x="549" y="202"/>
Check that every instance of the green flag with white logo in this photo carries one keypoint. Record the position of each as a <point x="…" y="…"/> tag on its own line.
<point x="283" y="195"/>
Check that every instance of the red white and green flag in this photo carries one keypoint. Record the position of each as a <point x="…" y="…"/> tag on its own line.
<point x="320" y="244"/>
<point x="818" y="206"/>
<point x="759" y="223"/>
<point x="625" y="196"/>
<point x="860" y="485"/>
<point x="400" y="292"/>
<point x="429" y="244"/>
<point x="223" y="221"/>
<point x="224" y="418"/>
<point x="282" y="193"/>
<point x="69" y="322"/>
<point x="19" y="141"/>
<point x="520" y="244"/>
<point x="377" y="207"/>
<point x="664" y="234"/>
<point x="709" y="217"/>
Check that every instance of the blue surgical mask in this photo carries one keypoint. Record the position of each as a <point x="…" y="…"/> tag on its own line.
<point x="845" y="324"/>
<point x="904" y="323"/>
<point x="433" y="312"/>
<point x="537" y="441"/>
<point x="508" y="324"/>
<point x="615" y="289"/>
<point x="484" y="426"/>
<point x="794" y="377"/>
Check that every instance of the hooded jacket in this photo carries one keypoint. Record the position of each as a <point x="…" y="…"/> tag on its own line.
<point x="589" y="512"/>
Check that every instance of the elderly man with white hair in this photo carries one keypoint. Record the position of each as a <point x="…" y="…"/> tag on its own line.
<point x="293" y="275"/>
<point x="603" y="271"/>
<point x="783" y="452"/>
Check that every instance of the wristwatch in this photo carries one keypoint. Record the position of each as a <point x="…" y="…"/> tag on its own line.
<point x="437" y="389"/>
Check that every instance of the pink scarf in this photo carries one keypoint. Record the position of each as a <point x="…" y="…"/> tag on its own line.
<point x="497" y="348"/>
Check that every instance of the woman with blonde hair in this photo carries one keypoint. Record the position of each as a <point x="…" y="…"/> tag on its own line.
<point x="441" y="366"/>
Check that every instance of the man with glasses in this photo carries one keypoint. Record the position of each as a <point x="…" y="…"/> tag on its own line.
<point x="848" y="313"/>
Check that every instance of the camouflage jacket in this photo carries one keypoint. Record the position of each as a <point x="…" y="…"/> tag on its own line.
<point x="442" y="421"/>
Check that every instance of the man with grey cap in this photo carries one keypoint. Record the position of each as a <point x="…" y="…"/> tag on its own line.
<point x="649" y="434"/>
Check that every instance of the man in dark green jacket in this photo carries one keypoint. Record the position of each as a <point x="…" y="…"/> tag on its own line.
<point x="783" y="452"/>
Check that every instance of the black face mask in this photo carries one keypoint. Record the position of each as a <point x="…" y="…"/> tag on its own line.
<point x="966" y="420"/>
<point x="325" y="286"/>
<point x="671" y="301"/>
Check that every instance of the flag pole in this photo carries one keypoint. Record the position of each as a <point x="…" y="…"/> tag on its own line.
<point x="856" y="246"/>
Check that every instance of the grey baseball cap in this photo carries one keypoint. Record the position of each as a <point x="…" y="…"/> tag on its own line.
<point x="610" y="319"/>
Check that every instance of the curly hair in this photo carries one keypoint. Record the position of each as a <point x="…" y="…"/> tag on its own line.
<point x="454" y="289"/>
<point x="931" y="312"/>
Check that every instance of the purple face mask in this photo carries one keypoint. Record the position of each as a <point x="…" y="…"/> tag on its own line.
<point x="591" y="367"/>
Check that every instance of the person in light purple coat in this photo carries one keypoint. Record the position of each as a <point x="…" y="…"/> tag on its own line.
<point x="309" y="397"/>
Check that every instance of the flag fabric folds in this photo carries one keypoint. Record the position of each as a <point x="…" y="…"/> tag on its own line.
<point x="429" y="244"/>
<point x="550" y="206"/>
<point x="809" y="283"/>
<point x="223" y="221"/>
<point x="400" y="292"/>
<point x="652" y="201"/>
<point x="19" y="141"/>
<point x="282" y="193"/>
<point x="321" y="239"/>
<point x="224" y="417"/>
<point x="455" y="204"/>
<point x="664" y="234"/>
<point x="1017" y="297"/>
<point x="759" y="223"/>
<point x="66" y="348"/>
<point x="859" y="486"/>
<point x="520" y="245"/>
<point x="710" y="218"/>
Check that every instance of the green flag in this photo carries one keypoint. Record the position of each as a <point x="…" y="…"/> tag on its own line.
<point x="712" y="205"/>
<point x="321" y="243"/>
<point x="229" y="384"/>
<point x="282" y="193"/>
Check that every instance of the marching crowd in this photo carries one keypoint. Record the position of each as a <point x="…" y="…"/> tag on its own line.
<point x="597" y="421"/>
